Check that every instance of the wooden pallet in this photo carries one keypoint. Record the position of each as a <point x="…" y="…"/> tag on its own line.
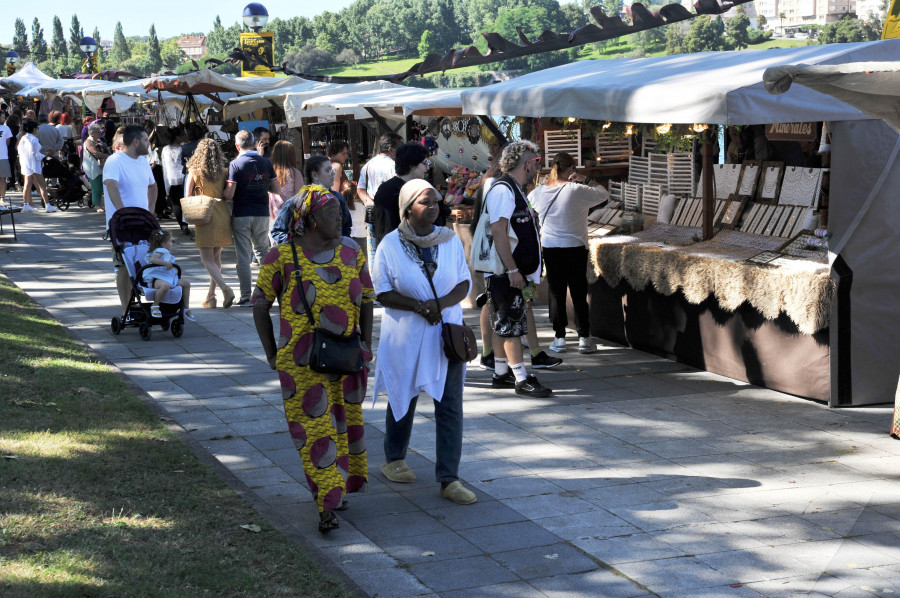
<point x="612" y="148"/>
<point x="632" y="196"/>
<point x="568" y="141"/>
<point x="680" y="173"/>
<point x="638" y="170"/>
<point x="650" y="198"/>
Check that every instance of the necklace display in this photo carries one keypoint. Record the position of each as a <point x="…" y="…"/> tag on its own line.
<point x="769" y="184"/>
<point x="800" y="187"/>
<point x="749" y="176"/>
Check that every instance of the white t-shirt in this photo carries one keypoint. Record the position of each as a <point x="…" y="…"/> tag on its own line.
<point x="66" y="131"/>
<point x="5" y="136"/>
<point x="376" y="171"/>
<point x="565" y="224"/>
<point x="133" y="176"/>
<point x="173" y="171"/>
<point x="501" y="203"/>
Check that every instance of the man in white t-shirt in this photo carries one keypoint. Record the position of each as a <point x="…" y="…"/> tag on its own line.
<point x="377" y="171"/>
<point x="128" y="182"/>
<point x="6" y="138"/>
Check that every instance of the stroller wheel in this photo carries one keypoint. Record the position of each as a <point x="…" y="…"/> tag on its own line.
<point x="145" y="331"/>
<point x="80" y="203"/>
<point x="177" y="328"/>
<point x="62" y="205"/>
<point x="116" y="326"/>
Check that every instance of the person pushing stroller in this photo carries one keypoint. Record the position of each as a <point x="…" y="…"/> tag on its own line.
<point x="159" y="272"/>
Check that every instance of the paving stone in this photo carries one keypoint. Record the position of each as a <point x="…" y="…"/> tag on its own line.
<point x="600" y="582"/>
<point x="545" y="561"/>
<point x="519" y="589"/>
<point x="441" y="576"/>
<point x="430" y="547"/>
<point x="683" y="574"/>
<point x="628" y="548"/>
<point x="398" y="525"/>
<point x="597" y="524"/>
<point x="509" y="536"/>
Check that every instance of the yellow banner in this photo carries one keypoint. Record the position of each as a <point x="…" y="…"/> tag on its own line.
<point x="892" y="21"/>
<point x="261" y="46"/>
<point x="94" y="67"/>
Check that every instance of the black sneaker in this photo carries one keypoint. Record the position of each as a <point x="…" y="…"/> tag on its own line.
<point x="243" y="302"/>
<point x="507" y="380"/>
<point x="542" y="361"/>
<point x="487" y="361"/>
<point x="531" y="387"/>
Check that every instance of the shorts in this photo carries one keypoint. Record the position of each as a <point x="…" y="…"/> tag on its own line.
<point x="508" y="306"/>
<point x="5" y="172"/>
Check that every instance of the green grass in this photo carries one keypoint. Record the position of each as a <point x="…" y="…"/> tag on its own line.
<point x="779" y="43"/>
<point x="98" y="498"/>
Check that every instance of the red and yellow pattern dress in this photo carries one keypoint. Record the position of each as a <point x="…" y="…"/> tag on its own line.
<point x="324" y="412"/>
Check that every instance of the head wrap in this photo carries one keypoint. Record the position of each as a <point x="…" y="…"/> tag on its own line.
<point x="409" y="193"/>
<point x="309" y="199"/>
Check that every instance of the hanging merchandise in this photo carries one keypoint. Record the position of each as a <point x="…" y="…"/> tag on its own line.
<point x="460" y="127"/>
<point x="461" y="151"/>
<point x="446" y="130"/>
<point x="434" y="127"/>
<point x="473" y="130"/>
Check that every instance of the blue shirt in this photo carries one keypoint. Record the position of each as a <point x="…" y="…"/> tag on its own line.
<point x="252" y="175"/>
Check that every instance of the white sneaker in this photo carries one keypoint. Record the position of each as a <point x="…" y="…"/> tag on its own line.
<point x="558" y="345"/>
<point x="586" y="345"/>
<point x="28" y="208"/>
<point x="50" y="209"/>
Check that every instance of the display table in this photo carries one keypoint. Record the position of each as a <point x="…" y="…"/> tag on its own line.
<point x="702" y="304"/>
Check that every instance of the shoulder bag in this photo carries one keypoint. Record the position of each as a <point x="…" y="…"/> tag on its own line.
<point x="483" y="255"/>
<point x="459" y="340"/>
<point x="330" y="353"/>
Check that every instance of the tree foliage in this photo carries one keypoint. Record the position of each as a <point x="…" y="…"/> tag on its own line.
<point x="58" y="45"/>
<point x="675" y="39"/>
<point x="120" y="51"/>
<point x="848" y="29"/>
<point x="38" y="43"/>
<point x="533" y="19"/>
<point x="738" y="29"/>
<point x="348" y="57"/>
<point x="20" y="38"/>
<point x="76" y="32"/>
<point x="427" y="44"/>
<point x="704" y="36"/>
<point x="172" y="55"/>
<point x="154" y="52"/>
<point x="308" y="59"/>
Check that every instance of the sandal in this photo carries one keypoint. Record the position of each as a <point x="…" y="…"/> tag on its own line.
<point x="210" y="302"/>
<point x="228" y="298"/>
<point x="327" y="522"/>
<point x="189" y="315"/>
<point x="343" y="506"/>
<point x="155" y="311"/>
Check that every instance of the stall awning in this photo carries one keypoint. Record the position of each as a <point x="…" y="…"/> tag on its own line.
<point x="291" y="98"/>
<point x="207" y="81"/>
<point x="397" y="101"/>
<point x="706" y="87"/>
<point x="871" y="87"/>
<point x="26" y="77"/>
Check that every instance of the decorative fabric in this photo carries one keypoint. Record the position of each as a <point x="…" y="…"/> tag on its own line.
<point x="308" y="200"/>
<point x="409" y="193"/>
<point x="409" y="248"/>
<point x="324" y="412"/>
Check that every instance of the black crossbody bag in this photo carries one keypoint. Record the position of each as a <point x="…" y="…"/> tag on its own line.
<point x="330" y="353"/>
<point x="459" y="340"/>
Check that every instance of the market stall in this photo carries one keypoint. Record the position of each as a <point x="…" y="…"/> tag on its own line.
<point x="762" y="300"/>
<point x="26" y="77"/>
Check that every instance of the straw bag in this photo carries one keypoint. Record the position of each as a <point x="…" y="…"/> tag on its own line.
<point x="197" y="209"/>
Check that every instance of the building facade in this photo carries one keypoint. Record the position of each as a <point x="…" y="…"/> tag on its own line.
<point x="193" y="46"/>
<point x="811" y="12"/>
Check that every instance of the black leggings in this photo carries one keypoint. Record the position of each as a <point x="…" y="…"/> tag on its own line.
<point x="567" y="269"/>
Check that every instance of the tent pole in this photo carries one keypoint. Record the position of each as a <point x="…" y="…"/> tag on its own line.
<point x="708" y="201"/>
<point x="492" y="127"/>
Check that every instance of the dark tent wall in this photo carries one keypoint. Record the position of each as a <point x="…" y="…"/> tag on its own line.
<point x="864" y="218"/>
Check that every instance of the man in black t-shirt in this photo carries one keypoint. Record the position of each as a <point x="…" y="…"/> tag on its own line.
<point x="410" y="162"/>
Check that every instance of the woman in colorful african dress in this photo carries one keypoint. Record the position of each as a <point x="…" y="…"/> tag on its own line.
<point x="324" y="412"/>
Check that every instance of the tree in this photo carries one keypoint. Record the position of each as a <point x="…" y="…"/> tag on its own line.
<point x="848" y="29"/>
<point x="308" y="59"/>
<point x="574" y="15"/>
<point x="348" y="57"/>
<point x="76" y="32"/>
<point x="154" y="54"/>
<point x="120" y="51"/>
<point x="221" y="40"/>
<point x="533" y="20"/>
<point x="761" y="22"/>
<point x="323" y="42"/>
<point x="172" y="55"/>
<point x="675" y="39"/>
<point x="427" y="44"/>
<point x="38" y="43"/>
<point x="20" y="38"/>
<point x="703" y="36"/>
<point x="738" y="28"/>
<point x="782" y="17"/>
<point x="58" y="44"/>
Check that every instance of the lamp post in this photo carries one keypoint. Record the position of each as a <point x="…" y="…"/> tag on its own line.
<point x="12" y="58"/>
<point x="88" y="45"/>
<point x="255" y="16"/>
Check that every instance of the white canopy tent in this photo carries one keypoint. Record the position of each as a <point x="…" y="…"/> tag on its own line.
<point x="871" y="87"/>
<point x="26" y="77"/>
<point x="207" y="81"/>
<point x="727" y="88"/>
<point x="292" y="98"/>
<point x="707" y="87"/>
<point x="396" y="101"/>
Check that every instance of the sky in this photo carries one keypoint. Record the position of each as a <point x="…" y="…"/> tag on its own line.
<point x="171" y="17"/>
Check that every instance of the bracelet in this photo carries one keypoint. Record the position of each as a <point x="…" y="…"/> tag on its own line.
<point x="513" y="271"/>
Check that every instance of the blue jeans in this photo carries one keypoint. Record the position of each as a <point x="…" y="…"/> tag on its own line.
<point x="448" y="419"/>
<point x="251" y="235"/>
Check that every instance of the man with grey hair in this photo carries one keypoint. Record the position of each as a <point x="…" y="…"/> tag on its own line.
<point x="250" y="180"/>
<point x="508" y="210"/>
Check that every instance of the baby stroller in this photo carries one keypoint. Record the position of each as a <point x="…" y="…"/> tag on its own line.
<point x="71" y="185"/>
<point x="129" y="231"/>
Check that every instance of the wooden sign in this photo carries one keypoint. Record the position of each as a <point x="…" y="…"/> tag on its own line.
<point x="791" y="132"/>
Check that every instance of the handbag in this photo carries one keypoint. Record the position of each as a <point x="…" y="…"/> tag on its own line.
<point x="459" y="340"/>
<point x="370" y="214"/>
<point x="197" y="209"/>
<point x="483" y="255"/>
<point x="330" y="353"/>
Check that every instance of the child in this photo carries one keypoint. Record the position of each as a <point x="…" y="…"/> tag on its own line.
<point x="162" y="276"/>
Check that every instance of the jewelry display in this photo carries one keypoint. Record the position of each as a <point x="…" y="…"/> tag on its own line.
<point x="749" y="178"/>
<point x="770" y="180"/>
<point x="732" y="212"/>
<point x="765" y="257"/>
<point x="800" y="187"/>
<point x="805" y="245"/>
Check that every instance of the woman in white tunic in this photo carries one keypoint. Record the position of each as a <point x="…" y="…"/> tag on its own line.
<point x="410" y="350"/>
<point x="30" y="157"/>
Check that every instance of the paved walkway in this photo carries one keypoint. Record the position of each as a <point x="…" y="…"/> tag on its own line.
<point x="639" y="477"/>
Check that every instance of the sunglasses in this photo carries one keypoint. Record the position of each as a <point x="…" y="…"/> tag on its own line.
<point x="535" y="159"/>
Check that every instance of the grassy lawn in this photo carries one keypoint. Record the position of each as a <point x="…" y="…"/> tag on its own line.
<point x="98" y="498"/>
<point x="779" y="43"/>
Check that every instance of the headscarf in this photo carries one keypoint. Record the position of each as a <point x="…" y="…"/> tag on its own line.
<point x="309" y="199"/>
<point x="409" y="193"/>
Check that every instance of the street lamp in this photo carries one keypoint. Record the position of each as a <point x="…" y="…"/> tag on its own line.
<point x="88" y="45"/>
<point x="255" y="16"/>
<point x="12" y="57"/>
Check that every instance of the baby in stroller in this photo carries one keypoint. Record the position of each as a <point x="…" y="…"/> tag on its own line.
<point x="159" y="273"/>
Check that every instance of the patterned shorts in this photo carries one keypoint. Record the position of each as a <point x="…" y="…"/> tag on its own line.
<point x="508" y="307"/>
